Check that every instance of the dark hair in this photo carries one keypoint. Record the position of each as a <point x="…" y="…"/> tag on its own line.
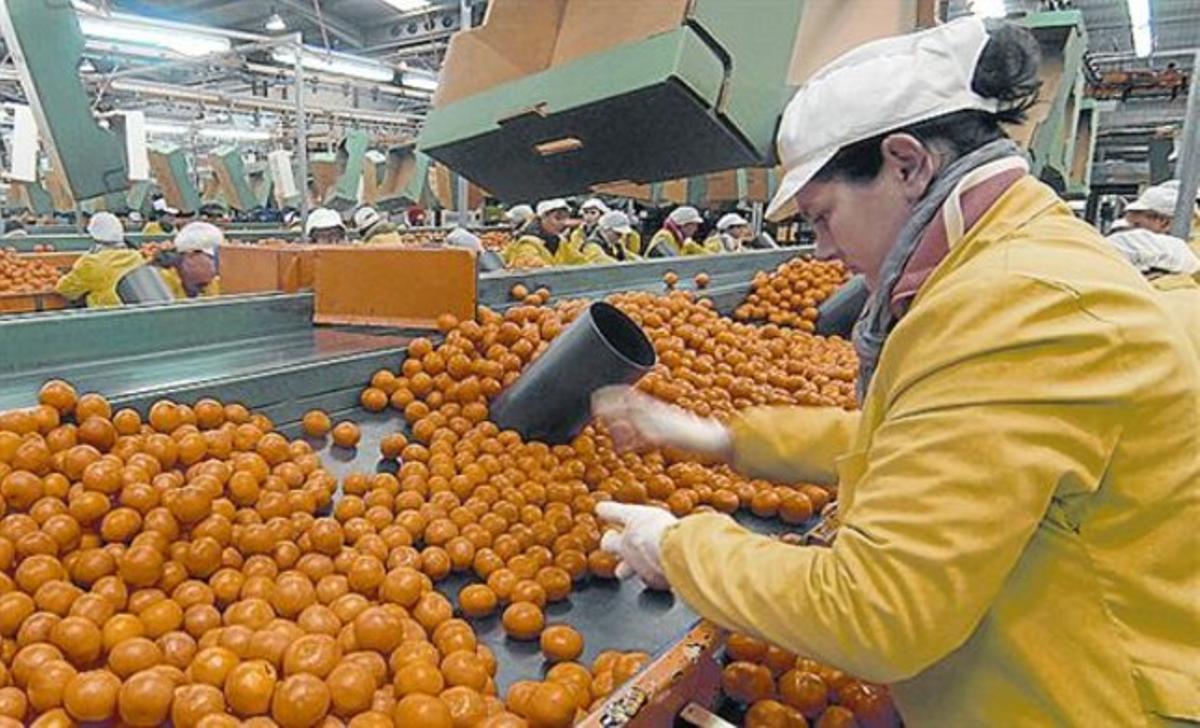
<point x="1007" y="71"/>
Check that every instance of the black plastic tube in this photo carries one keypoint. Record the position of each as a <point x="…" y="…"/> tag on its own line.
<point x="551" y="402"/>
<point x="836" y="316"/>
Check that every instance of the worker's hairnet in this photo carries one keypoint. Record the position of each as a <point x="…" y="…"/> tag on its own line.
<point x="616" y="221"/>
<point x="519" y="214"/>
<point x="323" y="217"/>
<point x="594" y="203"/>
<point x="545" y="207"/>
<point x="365" y="217"/>
<point x="1150" y="251"/>
<point x="1158" y="199"/>
<point x="199" y="236"/>
<point x="731" y="220"/>
<point x="685" y="214"/>
<point x="460" y="238"/>
<point x="106" y="228"/>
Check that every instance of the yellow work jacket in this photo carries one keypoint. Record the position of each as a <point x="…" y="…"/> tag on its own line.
<point x="1181" y="293"/>
<point x="1019" y="542"/>
<point x="689" y="247"/>
<point x="97" y="274"/>
<point x="383" y="234"/>
<point x="153" y="228"/>
<point x="569" y="252"/>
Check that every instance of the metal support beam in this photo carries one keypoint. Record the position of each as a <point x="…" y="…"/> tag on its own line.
<point x="336" y="25"/>
<point x="301" y="133"/>
<point x="462" y="191"/>
<point x="1188" y="166"/>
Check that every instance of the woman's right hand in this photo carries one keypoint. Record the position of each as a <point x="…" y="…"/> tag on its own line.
<point x="639" y="421"/>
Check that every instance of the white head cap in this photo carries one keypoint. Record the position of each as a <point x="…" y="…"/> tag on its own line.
<point x="322" y="217"/>
<point x="685" y="214"/>
<point x="460" y="238"/>
<point x="616" y="221"/>
<point x="160" y="205"/>
<point x="1159" y="198"/>
<point x="519" y="214"/>
<point x="1152" y="251"/>
<point x="883" y="85"/>
<point x="199" y="236"/>
<point x="365" y="217"/>
<point x="135" y="217"/>
<point x="105" y="227"/>
<point x="731" y="220"/>
<point x="545" y="207"/>
<point x="594" y="203"/>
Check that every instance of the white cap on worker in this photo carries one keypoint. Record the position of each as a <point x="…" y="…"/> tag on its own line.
<point x="135" y="217"/>
<point x="462" y="238"/>
<point x="519" y="213"/>
<point x="365" y="217"/>
<point x="731" y="220"/>
<point x="323" y="217"/>
<point x="616" y="221"/>
<point x="160" y="205"/>
<point x="685" y="214"/>
<point x="1174" y="185"/>
<point x="594" y="203"/>
<point x="1159" y="198"/>
<point x="545" y="207"/>
<point x="879" y="86"/>
<point x="105" y="227"/>
<point x="201" y="237"/>
<point x="1149" y="251"/>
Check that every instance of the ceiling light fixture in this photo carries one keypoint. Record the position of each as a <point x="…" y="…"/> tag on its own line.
<point x="275" y="23"/>
<point x="341" y="64"/>
<point x="1139" y="25"/>
<point x="408" y="6"/>
<point x="178" y="41"/>
<point x="420" y="82"/>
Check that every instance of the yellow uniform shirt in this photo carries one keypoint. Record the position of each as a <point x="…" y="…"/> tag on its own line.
<point x="1019" y="510"/>
<point x="532" y="247"/>
<point x="97" y="274"/>
<point x="1181" y="293"/>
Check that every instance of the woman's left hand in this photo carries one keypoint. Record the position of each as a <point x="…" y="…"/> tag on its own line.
<point x="639" y="543"/>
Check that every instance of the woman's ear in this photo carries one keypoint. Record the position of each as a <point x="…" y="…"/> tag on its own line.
<point x="909" y="164"/>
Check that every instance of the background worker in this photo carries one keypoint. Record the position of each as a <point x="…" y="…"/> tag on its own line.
<point x="191" y="269"/>
<point x="486" y="260"/>
<point x="325" y="227"/>
<point x="543" y="241"/>
<point x="732" y="233"/>
<point x="590" y="212"/>
<point x="373" y="228"/>
<point x="1171" y="267"/>
<point x="676" y="236"/>
<point x="1017" y="493"/>
<point x="615" y="236"/>
<point x="98" y="273"/>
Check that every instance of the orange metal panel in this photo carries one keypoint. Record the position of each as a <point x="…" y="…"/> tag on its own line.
<point x="266" y="267"/>
<point x="687" y="672"/>
<point x="30" y="302"/>
<point x="392" y="285"/>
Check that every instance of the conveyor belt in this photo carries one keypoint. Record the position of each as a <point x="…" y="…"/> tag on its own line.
<point x="609" y="614"/>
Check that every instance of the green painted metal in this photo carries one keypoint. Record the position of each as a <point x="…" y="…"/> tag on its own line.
<point x="227" y="165"/>
<point x="181" y="179"/>
<point x="138" y="197"/>
<point x="40" y="202"/>
<point x="73" y="241"/>
<point x="351" y="160"/>
<point x="1079" y="181"/>
<point x="45" y="39"/>
<point x="1062" y="37"/>
<point x="661" y="90"/>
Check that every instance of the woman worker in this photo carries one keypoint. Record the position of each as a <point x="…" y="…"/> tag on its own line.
<point x="590" y="211"/>
<point x="615" y="235"/>
<point x="111" y="272"/>
<point x="542" y="242"/>
<point x="675" y="237"/>
<point x="191" y="269"/>
<point x="1018" y="510"/>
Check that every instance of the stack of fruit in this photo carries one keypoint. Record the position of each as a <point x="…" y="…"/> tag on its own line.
<point x="790" y="295"/>
<point x="23" y="274"/>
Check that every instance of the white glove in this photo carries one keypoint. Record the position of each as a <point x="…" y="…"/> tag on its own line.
<point x="639" y="543"/>
<point x="636" y="420"/>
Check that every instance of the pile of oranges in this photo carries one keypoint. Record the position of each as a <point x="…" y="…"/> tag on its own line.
<point x="22" y="274"/>
<point x="151" y="251"/>
<point x="495" y="239"/>
<point x="790" y="295"/>
<point x="781" y="689"/>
